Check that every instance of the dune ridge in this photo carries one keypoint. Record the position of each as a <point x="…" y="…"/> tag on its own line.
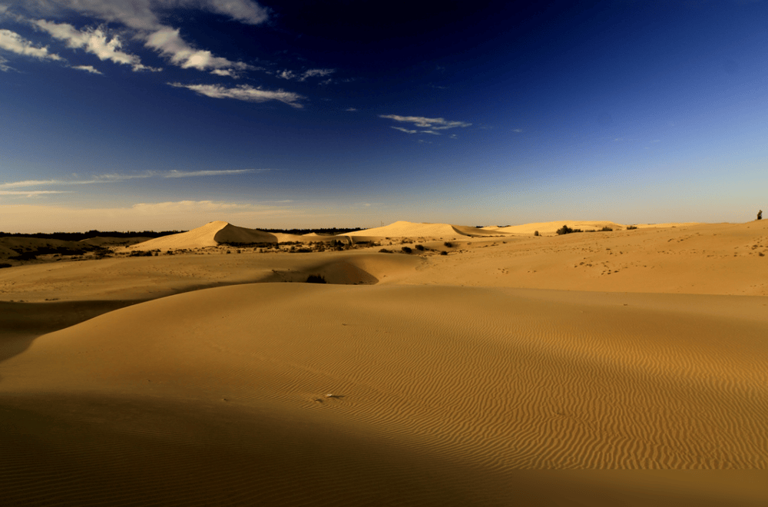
<point x="403" y="229"/>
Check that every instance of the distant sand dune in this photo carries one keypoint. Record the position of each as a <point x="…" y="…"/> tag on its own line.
<point x="404" y="229"/>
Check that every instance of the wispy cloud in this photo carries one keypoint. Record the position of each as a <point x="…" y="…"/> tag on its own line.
<point x="15" y="43"/>
<point x="518" y="130"/>
<point x="169" y="43"/>
<point x="245" y="93"/>
<point x="303" y="76"/>
<point x="143" y="19"/>
<point x="185" y="214"/>
<point x="192" y="174"/>
<point x="88" y="68"/>
<point x="3" y="66"/>
<point x="94" y="41"/>
<point x="31" y="193"/>
<point x="143" y="14"/>
<point x="401" y="129"/>
<point x="423" y="122"/>
<point x="113" y="178"/>
<point x="350" y="109"/>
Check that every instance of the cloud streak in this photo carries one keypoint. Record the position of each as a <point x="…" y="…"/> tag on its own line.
<point x="94" y="41"/>
<point x="303" y="76"/>
<point x="169" y="43"/>
<point x="88" y="68"/>
<point x="143" y="18"/>
<point x="31" y="193"/>
<point x="423" y="122"/>
<point x="245" y="93"/>
<point x="15" y="43"/>
<point x="112" y="178"/>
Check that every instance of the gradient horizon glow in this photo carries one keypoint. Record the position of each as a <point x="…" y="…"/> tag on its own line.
<point x="168" y="114"/>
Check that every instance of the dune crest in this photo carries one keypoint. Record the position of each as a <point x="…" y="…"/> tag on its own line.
<point x="211" y="234"/>
<point x="404" y="229"/>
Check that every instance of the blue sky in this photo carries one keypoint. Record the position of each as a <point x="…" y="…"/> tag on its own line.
<point x="167" y="114"/>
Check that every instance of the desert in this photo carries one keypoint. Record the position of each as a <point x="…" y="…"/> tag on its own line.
<point x="433" y="364"/>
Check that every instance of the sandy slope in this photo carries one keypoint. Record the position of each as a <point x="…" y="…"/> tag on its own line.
<point x="404" y="229"/>
<point x="457" y="379"/>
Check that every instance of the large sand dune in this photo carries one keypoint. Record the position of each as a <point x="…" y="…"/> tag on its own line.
<point x="404" y="229"/>
<point x="421" y="379"/>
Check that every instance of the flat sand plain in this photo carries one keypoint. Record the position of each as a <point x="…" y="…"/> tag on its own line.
<point x="607" y="368"/>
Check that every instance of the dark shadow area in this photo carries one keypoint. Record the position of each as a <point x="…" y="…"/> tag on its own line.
<point x="21" y="323"/>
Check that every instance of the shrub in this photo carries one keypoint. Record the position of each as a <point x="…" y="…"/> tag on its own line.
<point x="384" y="250"/>
<point x="5" y="265"/>
<point x="567" y="230"/>
<point x="631" y="227"/>
<point x="448" y="244"/>
<point x="420" y="248"/>
<point x="606" y="229"/>
<point x="407" y="249"/>
<point x="316" y="279"/>
<point x="443" y="253"/>
<point x="536" y="233"/>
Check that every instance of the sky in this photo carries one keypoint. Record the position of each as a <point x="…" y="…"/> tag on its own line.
<point x="168" y="114"/>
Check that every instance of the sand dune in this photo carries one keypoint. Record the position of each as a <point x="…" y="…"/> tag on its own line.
<point x="504" y="380"/>
<point x="211" y="234"/>
<point x="408" y="379"/>
<point x="404" y="229"/>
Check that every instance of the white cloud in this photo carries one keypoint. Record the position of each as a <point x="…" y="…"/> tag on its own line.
<point x="170" y="44"/>
<point x="112" y="178"/>
<point x="94" y="41"/>
<point x="142" y="17"/>
<point x="350" y="109"/>
<point x="431" y="123"/>
<point x="142" y="14"/>
<point x="244" y="11"/>
<point x="517" y="130"/>
<point x="401" y="129"/>
<point x="31" y="193"/>
<point x="245" y="93"/>
<point x="431" y="132"/>
<point x="15" y="43"/>
<point x="3" y="66"/>
<point x="88" y="68"/>
<point x="303" y="76"/>
<point x="189" y="174"/>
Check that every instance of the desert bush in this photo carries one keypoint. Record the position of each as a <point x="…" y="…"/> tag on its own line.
<point x="631" y="227"/>
<point x="443" y="253"/>
<point x="606" y="229"/>
<point x="316" y="279"/>
<point x="536" y="233"/>
<point x="407" y="249"/>
<point x="5" y="265"/>
<point x="420" y="248"/>
<point x="448" y="244"/>
<point x="384" y="250"/>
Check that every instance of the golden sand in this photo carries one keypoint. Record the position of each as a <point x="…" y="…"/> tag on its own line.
<point x="610" y="368"/>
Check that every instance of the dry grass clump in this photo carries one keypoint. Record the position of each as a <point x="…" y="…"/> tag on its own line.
<point x="316" y="279"/>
